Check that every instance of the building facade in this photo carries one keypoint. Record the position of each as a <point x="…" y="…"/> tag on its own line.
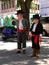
<point x="7" y="8"/>
<point x="36" y="6"/>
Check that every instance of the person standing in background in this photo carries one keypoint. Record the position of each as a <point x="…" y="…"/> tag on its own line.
<point x="22" y="28"/>
<point x="36" y="35"/>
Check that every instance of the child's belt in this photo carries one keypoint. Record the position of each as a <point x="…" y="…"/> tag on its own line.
<point x="20" y="30"/>
<point x="36" y="39"/>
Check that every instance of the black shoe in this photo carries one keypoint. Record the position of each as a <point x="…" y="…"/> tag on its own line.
<point x="18" y="52"/>
<point x="24" y="51"/>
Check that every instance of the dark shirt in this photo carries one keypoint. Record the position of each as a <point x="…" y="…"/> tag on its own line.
<point x="38" y="30"/>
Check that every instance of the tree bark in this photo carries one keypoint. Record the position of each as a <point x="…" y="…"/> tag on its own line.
<point x="26" y="12"/>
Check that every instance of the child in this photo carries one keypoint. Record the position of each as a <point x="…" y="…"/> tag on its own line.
<point x="22" y="27"/>
<point x="36" y="33"/>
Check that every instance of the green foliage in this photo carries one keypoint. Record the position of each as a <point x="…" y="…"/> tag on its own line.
<point x="33" y="6"/>
<point x="28" y="2"/>
<point x="22" y="3"/>
<point x="5" y="0"/>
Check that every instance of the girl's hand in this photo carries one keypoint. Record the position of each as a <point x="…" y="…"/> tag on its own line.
<point x="29" y="35"/>
<point x="40" y="39"/>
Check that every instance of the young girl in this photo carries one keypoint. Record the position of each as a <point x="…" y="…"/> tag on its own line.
<point x="36" y="33"/>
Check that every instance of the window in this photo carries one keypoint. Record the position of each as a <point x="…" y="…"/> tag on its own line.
<point x="38" y="7"/>
<point x="2" y="7"/>
<point x="35" y="6"/>
<point x="13" y="3"/>
<point x="9" y="4"/>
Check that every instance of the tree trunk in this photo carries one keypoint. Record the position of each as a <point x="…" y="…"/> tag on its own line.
<point x="25" y="6"/>
<point x="26" y="12"/>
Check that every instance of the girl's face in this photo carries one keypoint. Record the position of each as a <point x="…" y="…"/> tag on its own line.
<point x="35" y="20"/>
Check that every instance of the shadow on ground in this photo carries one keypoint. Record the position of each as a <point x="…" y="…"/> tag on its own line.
<point x="11" y="58"/>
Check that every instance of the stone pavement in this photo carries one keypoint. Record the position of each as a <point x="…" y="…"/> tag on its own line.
<point x="8" y="54"/>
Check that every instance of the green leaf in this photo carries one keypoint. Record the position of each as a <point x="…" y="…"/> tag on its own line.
<point x="4" y="0"/>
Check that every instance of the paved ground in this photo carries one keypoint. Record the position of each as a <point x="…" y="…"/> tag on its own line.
<point x="8" y="54"/>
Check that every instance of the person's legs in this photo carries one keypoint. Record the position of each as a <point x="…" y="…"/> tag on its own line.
<point x="33" y="52"/>
<point x="37" y="53"/>
<point x="19" y="42"/>
<point x="38" y="49"/>
<point x="33" y="48"/>
<point x="24" y="42"/>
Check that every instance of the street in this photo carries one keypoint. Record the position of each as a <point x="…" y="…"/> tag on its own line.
<point x="8" y="54"/>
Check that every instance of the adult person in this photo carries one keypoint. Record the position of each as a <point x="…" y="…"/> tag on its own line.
<point x="22" y="28"/>
<point x="36" y="34"/>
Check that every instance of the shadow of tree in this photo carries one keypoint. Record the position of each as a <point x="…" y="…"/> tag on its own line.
<point x="11" y="58"/>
